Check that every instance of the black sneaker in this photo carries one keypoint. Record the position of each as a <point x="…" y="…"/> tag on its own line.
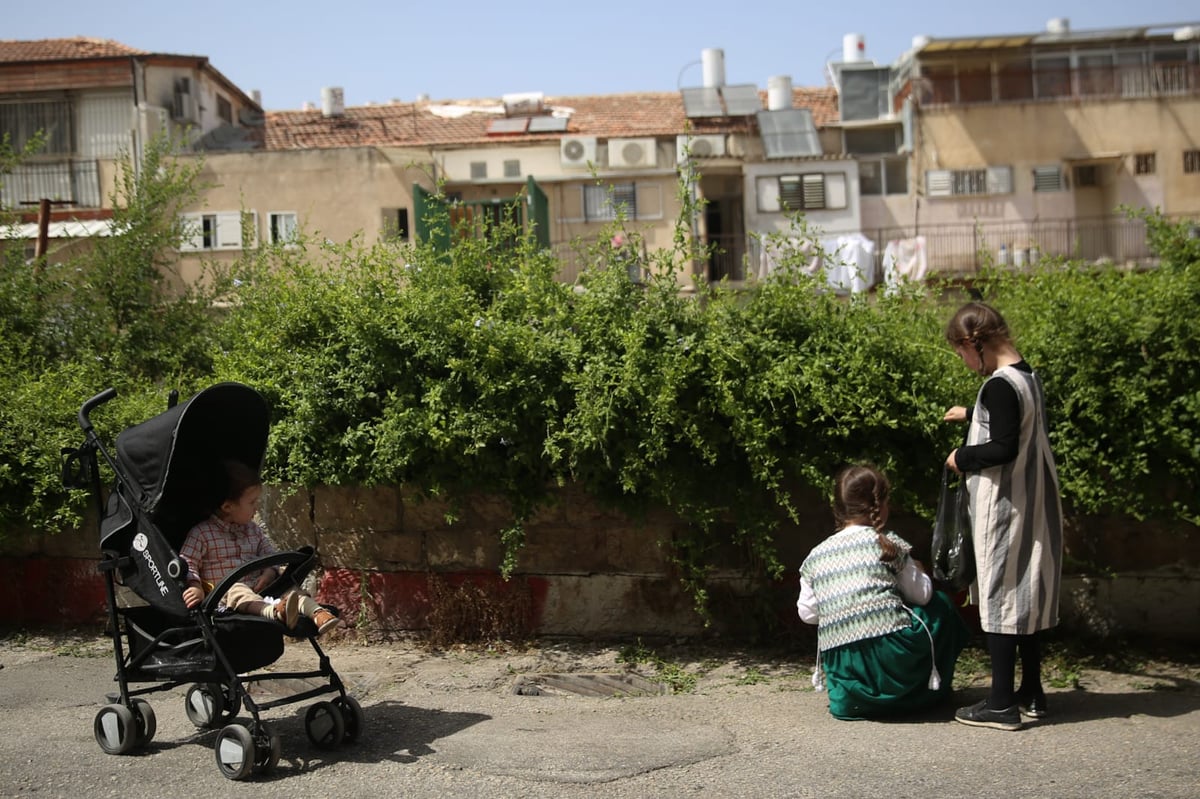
<point x="980" y="715"/>
<point x="1032" y="706"/>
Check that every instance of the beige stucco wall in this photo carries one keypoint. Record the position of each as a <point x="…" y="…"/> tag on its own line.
<point x="1025" y="135"/>
<point x="335" y="193"/>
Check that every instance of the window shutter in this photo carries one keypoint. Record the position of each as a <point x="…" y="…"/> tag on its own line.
<point x="1047" y="178"/>
<point x="791" y="192"/>
<point x="999" y="180"/>
<point x="814" y="191"/>
<point x="939" y="183"/>
<point x="193" y="236"/>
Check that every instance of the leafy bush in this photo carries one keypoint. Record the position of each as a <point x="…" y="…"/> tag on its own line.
<point x="473" y="370"/>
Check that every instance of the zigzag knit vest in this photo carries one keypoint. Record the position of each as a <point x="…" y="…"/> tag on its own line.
<point x="856" y="592"/>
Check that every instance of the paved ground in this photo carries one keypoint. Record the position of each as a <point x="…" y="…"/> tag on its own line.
<point x="450" y="724"/>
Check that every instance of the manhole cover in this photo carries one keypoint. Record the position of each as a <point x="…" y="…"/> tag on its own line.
<point x="587" y="685"/>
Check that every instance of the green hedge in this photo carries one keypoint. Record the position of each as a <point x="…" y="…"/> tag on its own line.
<point x="477" y="371"/>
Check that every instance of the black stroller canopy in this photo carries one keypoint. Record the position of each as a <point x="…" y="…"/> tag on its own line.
<point x="176" y="458"/>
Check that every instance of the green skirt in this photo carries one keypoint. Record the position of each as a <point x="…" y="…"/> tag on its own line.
<point x="890" y="675"/>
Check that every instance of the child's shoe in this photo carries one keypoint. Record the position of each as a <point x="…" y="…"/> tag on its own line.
<point x="980" y="715"/>
<point x="325" y="621"/>
<point x="287" y="610"/>
<point x="1032" y="704"/>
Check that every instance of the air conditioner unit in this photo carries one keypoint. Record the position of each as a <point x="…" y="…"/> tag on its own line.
<point x="632" y="153"/>
<point x="705" y="145"/>
<point x="577" y="151"/>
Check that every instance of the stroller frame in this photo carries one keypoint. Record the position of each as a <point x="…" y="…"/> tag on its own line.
<point x="170" y="645"/>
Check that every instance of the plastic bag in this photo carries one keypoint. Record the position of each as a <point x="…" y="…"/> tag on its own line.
<point x="952" y="550"/>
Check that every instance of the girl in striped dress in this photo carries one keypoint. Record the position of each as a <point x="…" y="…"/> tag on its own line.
<point x="887" y="642"/>
<point x="1015" y="510"/>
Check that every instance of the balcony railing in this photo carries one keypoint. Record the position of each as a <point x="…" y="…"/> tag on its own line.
<point x="74" y="183"/>
<point x="1004" y="85"/>
<point x="953" y="249"/>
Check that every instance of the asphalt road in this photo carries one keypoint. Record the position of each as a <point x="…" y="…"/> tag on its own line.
<point x="452" y="725"/>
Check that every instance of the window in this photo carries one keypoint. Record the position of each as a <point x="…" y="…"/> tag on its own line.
<point x="1191" y="161"/>
<point x="1048" y="178"/>
<point x="282" y="225"/>
<point x="811" y="192"/>
<point x="478" y="170"/>
<point x="21" y="122"/>
<point x="1087" y="176"/>
<point x="871" y="140"/>
<point x="512" y="168"/>
<point x="395" y="224"/>
<point x="1052" y="77"/>
<point x="883" y="176"/>
<point x="959" y="182"/>
<point x="1144" y="164"/>
<point x="600" y="203"/>
<point x="224" y="110"/>
<point x="224" y="230"/>
<point x="1097" y="74"/>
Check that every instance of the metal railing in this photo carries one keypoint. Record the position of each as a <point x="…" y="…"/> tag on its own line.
<point x="966" y="247"/>
<point x="75" y="182"/>
<point x="957" y="248"/>
<point x="1055" y="83"/>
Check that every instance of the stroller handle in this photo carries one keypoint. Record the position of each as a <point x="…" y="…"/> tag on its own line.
<point x="104" y="396"/>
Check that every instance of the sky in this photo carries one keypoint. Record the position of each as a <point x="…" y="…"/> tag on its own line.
<point x="396" y="50"/>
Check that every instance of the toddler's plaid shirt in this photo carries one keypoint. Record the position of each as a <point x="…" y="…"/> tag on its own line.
<point x="214" y="548"/>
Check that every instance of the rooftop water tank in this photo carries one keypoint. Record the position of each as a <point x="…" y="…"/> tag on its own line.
<point x="333" y="102"/>
<point x="854" y="48"/>
<point x="712" y="60"/>
<point x="779" y="92"/>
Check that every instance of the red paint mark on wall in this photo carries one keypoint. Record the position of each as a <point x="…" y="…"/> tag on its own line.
<point x="51" y="590"/>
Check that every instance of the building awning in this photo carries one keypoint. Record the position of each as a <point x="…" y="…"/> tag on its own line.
<point x="69" y="229"/>
<point x="1093" y="158"/>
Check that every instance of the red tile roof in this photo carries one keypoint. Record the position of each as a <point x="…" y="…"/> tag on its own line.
<point x="73" y="49"/>
<point x="437" y="124"/>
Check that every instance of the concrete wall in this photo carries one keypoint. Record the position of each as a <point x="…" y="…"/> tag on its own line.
<point x="584" y="570"/>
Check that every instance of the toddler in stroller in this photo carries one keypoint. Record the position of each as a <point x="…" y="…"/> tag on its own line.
<point x="170" y="472"/>
<point x="231" y="537"/>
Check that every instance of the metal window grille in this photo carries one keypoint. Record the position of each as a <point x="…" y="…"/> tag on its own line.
<point x="21" y="122"/>
<point x="1144" y="164"/>
<point x="600" y="203"/>
<point x="1191" y="161"/>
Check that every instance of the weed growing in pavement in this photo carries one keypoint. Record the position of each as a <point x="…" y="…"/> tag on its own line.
<point x="678" y="678"/>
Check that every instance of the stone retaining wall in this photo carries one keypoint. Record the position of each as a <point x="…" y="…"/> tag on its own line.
<point x="390" y="560"/>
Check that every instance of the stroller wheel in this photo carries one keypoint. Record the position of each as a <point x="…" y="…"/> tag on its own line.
<point x="115" y="729"/>
<point x="324" y="725"/>
<point x="235" y="752"/>
<point x="266" y="748"/>
<point x="147" y="724"/>
<point x="352" y="717"/>
<point x="211" y="705"/>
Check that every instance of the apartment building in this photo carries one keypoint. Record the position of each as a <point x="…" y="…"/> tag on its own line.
<point x="1027" y="144"/>
<point x="90" y="101"/>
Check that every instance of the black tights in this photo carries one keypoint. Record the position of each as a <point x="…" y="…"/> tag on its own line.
<point x="1003" y="649"/>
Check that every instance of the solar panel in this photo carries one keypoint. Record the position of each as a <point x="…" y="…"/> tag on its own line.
<point x="548" y="124"/>
<point x="788" y="133"/>
<point x="703" y="101"/>
<point x="741" y="100"/>
<point x="516" y="125"/>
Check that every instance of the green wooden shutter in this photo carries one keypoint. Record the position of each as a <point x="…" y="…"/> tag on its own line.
<point x="433" y="219"/>
<point x="539" y="213"/>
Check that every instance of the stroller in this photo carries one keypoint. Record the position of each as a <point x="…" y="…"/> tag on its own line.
<point x="168" y="472"/>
